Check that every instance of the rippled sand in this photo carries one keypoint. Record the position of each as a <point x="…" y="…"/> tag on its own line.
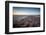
<point x="26" y="21"/>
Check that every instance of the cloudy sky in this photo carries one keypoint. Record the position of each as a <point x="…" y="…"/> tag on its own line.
<point x="26" y="11"/>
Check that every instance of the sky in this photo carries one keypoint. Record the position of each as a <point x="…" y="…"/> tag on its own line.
<point x="26" y="11"/>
